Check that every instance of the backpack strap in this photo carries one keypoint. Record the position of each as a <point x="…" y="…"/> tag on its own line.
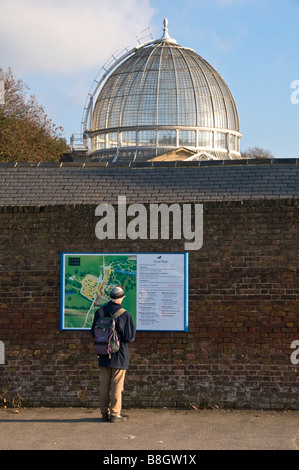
<point x="114" y="316"/>
<point x="101" y="312"/>
<point x="118" y="313"/>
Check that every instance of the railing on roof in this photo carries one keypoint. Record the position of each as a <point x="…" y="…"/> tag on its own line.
<point x="80" y="141"/>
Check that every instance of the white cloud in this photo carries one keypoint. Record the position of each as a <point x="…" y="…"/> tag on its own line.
<point x="66" y="36"/>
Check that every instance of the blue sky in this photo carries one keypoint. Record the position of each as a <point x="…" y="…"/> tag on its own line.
<point x="58" y="47"/>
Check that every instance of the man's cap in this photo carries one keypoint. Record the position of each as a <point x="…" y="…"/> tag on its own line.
<point x="117" y="293"/>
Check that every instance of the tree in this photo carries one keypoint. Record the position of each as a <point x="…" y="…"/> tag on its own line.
<point x="257" y="152"/>
<point x="26" y="132"/>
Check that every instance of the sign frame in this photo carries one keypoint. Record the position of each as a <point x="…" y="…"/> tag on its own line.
<point x="184" y="317"/>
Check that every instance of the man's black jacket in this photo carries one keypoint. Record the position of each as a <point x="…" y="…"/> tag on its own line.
<point x="126" y="332"/>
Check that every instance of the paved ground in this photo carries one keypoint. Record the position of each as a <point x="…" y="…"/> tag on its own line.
<point x="149" y="429"/>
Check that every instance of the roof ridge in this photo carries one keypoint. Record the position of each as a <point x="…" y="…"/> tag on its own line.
<point x="153" y="164"/>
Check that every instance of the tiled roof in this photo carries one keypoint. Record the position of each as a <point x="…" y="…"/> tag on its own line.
<point x="38" y="184"/>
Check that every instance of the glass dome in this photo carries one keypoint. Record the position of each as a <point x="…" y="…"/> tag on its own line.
<point x="162" y="97"/>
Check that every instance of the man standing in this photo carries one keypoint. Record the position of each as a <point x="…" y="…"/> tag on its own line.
<point x="113" y="368"/>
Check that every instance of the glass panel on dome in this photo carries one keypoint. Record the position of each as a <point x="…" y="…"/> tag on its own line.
<point x="220" y="140"/>
<point x="146" y="138"/>
<point x="112" y="140"/>
<point x="128" y="139"/>
<point x="147" y="108"/>
<point x="167" y="137"/>
<point x="205" y="139"/>
<point x="232" y="142"/>
<point x="187" y="138"/>
<point x="100" y="142"/>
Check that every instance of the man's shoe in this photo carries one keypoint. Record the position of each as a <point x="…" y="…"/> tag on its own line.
<point x="118" y="419"/>
<point x="105" y="417"/>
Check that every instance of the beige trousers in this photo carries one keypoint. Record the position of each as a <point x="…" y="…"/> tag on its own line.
<point x="111" y="388"/>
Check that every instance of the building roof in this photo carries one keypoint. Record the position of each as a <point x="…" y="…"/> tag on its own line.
<point x="164" y="84"/>
<point x="177" y="154"/>
<point x="39" y="184"/>
<point x="158" y="96"/>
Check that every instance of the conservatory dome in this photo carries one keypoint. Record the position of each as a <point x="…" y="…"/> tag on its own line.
<point x="161" y="97"/>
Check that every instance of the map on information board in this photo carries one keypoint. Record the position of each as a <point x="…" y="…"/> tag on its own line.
<point x="155" y="287"/>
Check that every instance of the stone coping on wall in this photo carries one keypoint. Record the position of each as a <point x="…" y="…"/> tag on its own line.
<point x="155" y="164"/>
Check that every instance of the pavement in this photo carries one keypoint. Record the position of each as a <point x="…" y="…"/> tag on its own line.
<point x="157" y="430"/>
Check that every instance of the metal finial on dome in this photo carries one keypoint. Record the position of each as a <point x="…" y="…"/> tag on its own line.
<point x="165" y="23"/>
<point x="166" y="37"/>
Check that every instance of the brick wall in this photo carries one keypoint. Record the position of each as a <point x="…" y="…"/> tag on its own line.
<point x="243" y="312"/>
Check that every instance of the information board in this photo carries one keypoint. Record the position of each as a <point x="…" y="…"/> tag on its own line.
<point x="155" y="286"/>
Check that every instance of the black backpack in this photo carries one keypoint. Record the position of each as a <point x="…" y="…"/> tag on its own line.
<point x="106" y="338"/>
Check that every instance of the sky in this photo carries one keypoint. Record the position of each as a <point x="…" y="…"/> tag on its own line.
<point x="58" y="47"/>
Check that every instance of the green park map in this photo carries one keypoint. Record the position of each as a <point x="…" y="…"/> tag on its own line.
<point x="87" y="282"/>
